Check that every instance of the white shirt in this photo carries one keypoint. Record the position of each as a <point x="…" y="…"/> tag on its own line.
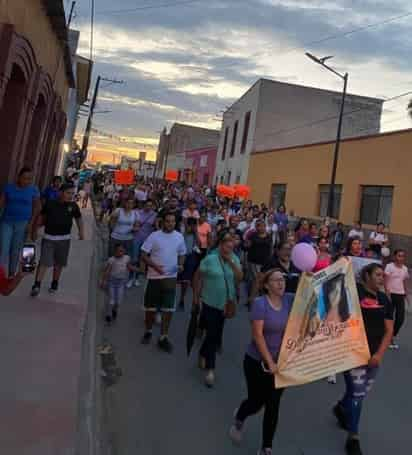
<point x="395" y="278"/>
<point x="164" y="249"/>
<point x="119" y="269"/>
<point x="355" y="233"/>
<point x="379" y="238"/>
<point x="273" y="231"/>
<point x="123" y="229"/>
<point x="140" y="195"/>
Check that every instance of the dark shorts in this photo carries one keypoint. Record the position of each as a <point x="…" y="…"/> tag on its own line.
<point x="160" y="295"/>
<point x="54" y="252"/>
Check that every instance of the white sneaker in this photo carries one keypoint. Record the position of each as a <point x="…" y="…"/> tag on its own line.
<point x="137" y="283"/>
<point x="210" y="379"/>
<point x="236" y="431"/>
<point x="394" y="346"/>
<point x="129" y="284"/>
<point x="332" y="379"/>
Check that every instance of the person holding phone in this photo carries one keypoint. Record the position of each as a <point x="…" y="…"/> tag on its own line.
<point x="269" y="316"/>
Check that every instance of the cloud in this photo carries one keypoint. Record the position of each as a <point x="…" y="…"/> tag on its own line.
<point x="187" y="63"/>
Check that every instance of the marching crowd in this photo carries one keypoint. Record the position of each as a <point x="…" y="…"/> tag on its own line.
<point x="229" y="252"/>
<point x="188" y="236"/>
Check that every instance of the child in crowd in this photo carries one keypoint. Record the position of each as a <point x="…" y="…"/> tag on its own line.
<point x="115" y="276"/>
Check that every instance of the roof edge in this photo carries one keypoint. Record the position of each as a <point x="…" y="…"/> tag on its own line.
<point x="349" y="139"/>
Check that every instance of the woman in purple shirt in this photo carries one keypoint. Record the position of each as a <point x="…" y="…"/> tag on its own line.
<point x="269" y="316"/>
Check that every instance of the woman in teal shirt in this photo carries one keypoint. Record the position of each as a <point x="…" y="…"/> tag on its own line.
<point x="214" y="286"/>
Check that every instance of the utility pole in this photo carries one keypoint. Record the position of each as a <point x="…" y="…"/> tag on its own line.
<point x="71" y="14"/>
<point x="86" y="137"/>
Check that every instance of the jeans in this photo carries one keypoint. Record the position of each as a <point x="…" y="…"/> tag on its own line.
<point x="212" y="321"/>
<point x="116" y="288"/>
<point x="359" y="382"/>
<point x="398" y="301"/>
<point x="261" y="393"/>
<point x="12" y="236"/>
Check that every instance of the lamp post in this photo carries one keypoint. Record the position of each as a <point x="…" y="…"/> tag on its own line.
<point x="344" y="77"/>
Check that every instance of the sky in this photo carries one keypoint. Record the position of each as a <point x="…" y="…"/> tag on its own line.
<point x="186" y="61"/>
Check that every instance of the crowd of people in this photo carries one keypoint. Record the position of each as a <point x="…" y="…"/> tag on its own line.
<point x="230" y="252"/>
<point x="187" y="236"/>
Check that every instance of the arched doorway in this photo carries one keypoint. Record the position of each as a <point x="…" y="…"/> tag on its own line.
<point x="32" y="157"/>
<point x="10" y="112"/>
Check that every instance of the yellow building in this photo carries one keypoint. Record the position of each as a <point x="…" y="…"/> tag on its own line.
<point x="374" y="179"/>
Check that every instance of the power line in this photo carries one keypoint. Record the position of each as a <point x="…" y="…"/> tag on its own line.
<point x="334" y="117"/>
<point x="141" y="8"/>
<point x="92" y="14"/>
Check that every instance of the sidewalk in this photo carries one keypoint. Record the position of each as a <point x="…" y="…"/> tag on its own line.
<point x="40" y="348"/>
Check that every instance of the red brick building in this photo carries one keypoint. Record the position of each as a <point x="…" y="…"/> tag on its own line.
<point x="35" y="76"/>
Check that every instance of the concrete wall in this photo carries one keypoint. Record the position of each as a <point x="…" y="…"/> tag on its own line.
<point x="285" y="108"/>
<point x="181" y="138"/>
<point x="238" y="164"/>
<point x="280" y="110"/>
<point x="377" y="160"/>
<point x="30" y="20"/>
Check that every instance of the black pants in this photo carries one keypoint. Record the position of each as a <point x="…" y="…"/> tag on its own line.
<point x="212" y="322"/>
<point x="261" y="393"/>
<point x="398" y="301"/>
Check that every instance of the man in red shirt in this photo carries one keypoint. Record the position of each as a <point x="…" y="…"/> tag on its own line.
<point x="8" y="285"/>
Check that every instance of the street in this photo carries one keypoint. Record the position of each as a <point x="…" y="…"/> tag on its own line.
<point x="160" y="405"/>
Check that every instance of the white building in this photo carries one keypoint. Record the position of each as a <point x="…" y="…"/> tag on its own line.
<point x="274" y="115"/>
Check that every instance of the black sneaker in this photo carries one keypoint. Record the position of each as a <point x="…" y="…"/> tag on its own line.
<point x="147" y="338"/>
<point x="339" y="413"/>
<point x="114" y="314"/>
<point x="108" y="320"/>
<point x="165" y="345"/>
<point x="352" y="447"/>
<point x="54" y="287"/>
<point x="35" y="290"/>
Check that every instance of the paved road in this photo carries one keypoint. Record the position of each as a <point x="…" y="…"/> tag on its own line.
<point x="160" y="406"/>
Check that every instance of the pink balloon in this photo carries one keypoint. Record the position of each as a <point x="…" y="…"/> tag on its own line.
<point x="304" y="257"/>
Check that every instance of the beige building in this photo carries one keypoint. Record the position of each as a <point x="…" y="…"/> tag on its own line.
<point x="273" y="114"/>
<point x="374" y="181"/>
<point x="180" y="139"/>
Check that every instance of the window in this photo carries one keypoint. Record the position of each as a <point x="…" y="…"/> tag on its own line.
<point x="238" y="179"/>
<point x="324" y="200"/>
<point x="216" y="180"/>
<point x="225" y="144"/>
<point x="232" y="150"/>
<point x="278" y="195"/>
<point x="245" y="132"/>
<point x="221" y="179"/>
<point x="206" y="179"/>
<point x="229" y="177"/>
<point x="376" y="204"/>
<point x="203" y="161"/>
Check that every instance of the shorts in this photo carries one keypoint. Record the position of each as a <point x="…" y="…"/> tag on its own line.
<point x="54" y="252"/>
<point x="160" y="295"/>
<point x="253" y="271"/>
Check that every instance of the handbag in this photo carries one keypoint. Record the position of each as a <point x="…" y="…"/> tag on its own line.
<point x="230" y="305"/>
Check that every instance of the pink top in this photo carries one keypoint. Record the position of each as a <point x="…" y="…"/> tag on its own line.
<point x="322" y="264"/>
<point x="395" y="277"/>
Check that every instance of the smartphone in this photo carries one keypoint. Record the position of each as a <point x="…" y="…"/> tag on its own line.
<point x="29" y="257"/>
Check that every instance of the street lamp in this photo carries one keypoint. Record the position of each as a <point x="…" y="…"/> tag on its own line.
<point x="344" y="77"/>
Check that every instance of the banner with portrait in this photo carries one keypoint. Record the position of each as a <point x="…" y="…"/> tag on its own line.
<point x="325" y="333"/>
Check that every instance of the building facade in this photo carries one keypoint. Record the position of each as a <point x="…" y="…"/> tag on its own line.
<point x="373" y="180"/>
<point x="173" y="145"/>
<point x="274" y="114"/>
<point x="199" y="166"/>
<point x="35" y="77"/>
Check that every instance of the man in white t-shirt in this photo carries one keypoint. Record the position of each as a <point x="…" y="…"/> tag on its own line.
<point x="164" y="254"/>
<point x="378" y="239"/>
<point x="140" y="193"/>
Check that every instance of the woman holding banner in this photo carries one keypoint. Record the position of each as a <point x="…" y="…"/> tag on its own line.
<point x="269" y="316"/>
<point x="377" y="313"/>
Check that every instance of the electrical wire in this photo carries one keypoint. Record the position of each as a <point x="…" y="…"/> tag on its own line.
<point x="92" y="14"/>
<point x="142" y="8"/>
